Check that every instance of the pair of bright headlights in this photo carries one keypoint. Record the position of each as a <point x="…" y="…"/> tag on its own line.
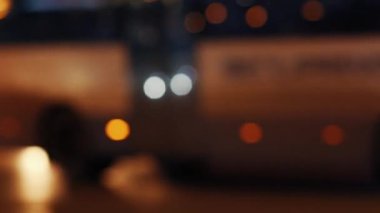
<point x="155" y="86"/>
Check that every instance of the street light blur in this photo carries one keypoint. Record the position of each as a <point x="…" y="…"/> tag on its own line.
<point x="181" y="84"/>
<point x="5" y="8"/>
<point x="154" y="87"/>
<point x="39" y="180"/>
<point x="117" y="129"/>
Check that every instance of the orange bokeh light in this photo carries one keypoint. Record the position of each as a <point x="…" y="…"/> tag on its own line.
<point x="216" y="13"/>
<point x="313" y="10"/>
<point x="194" y="22"/>
<point x="256" y="16"/>
<point x="251" y="133"/>
<point x="332" y="135"/>
<point x="117" y="129"/>
<point x="5" y="8"/>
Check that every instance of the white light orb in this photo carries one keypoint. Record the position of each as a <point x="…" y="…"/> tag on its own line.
<point x="154" y="87"/>
<point x="181" y="84"/>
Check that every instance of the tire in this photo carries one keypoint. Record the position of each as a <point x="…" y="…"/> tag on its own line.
<point x="60" y="132"/>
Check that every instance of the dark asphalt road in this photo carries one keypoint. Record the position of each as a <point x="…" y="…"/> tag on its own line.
<point x="135" y="185"/>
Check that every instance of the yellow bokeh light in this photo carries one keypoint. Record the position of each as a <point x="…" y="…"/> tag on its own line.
<point x="5" y="8"/>
<point x="117" y="129"/>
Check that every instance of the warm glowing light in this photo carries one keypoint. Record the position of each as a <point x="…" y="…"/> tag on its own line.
<point x="138" y="179"/>
<point x="333" y="135"/>
<point x="5" y="8"/>
<point x="195" y="22"/>
<point x="36" y="178"/>
<point x="313" y="10"/>
<point x="181" y="84"/>
<point x="154" y="87"/>
<point x="10" y="127"/>
<point x="34" y="159"/>
<point x="216" y="13"/>
<point x="251" y="133"/>
<point x="256" y="16"/>
<point x="117" y="129"/>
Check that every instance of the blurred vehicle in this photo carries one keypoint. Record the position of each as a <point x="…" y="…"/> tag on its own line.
<point x="61" y="95"/>
<point x="273" y="109"/>
<point x="283" y="91"/>
<point x="291" y="107"/>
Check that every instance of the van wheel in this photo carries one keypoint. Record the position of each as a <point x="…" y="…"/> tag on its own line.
<point x="60" y="131"/>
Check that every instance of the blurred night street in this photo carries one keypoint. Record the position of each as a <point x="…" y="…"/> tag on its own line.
<point x="189" y="106"/>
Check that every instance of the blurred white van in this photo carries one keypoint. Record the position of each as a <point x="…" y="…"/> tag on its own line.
<point x="300" y="107"/>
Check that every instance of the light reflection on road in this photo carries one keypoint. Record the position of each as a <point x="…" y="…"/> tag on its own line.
<point x="32" y="182"/>
<point x="137" y="179"/>
<point x="38" y="180"/>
